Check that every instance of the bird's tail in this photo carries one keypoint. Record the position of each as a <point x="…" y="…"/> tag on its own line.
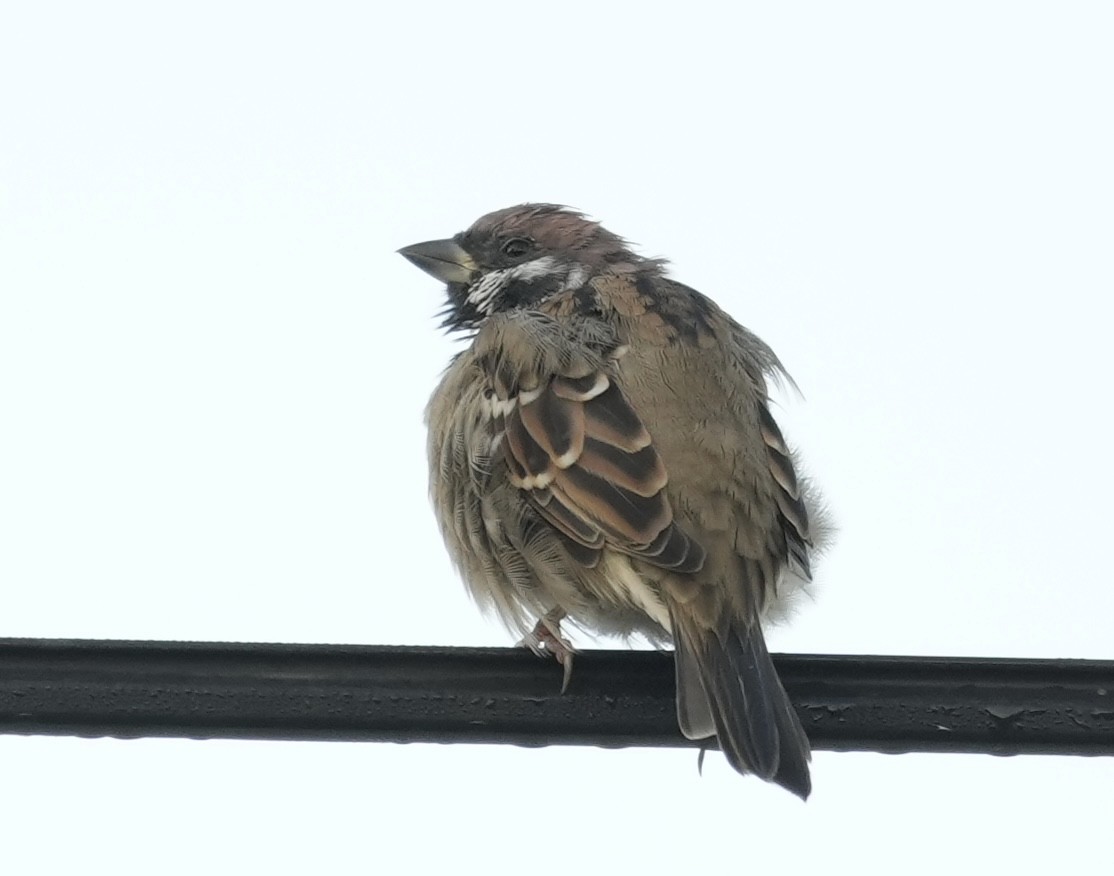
<point x="727" y="685"/>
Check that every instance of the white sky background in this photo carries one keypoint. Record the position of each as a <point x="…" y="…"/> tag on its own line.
<point x="213" y="367"/>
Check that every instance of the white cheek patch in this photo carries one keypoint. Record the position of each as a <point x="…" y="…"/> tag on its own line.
<point x="483" y="295"/>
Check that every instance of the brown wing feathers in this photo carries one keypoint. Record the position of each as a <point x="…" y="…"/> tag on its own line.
<point x="788" y="493"/>
<point x="589" y="465"/>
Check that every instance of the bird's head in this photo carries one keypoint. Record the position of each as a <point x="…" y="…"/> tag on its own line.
<point x="518" y="256"/>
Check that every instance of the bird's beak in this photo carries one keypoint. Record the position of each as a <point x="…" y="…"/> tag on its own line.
<point x="444" y="259"/>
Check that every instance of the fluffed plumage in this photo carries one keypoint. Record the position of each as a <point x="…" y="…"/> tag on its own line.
<point x="604" y="451"/>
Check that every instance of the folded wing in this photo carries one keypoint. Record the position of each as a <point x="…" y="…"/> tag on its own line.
<point x="573" y="442"/>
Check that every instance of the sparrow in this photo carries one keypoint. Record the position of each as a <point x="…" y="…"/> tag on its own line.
<point x="604" y="452"/>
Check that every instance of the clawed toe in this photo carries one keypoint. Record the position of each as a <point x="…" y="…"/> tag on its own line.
<point x="546" y="639"/>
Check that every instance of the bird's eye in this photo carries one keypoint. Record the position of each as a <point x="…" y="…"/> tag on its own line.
<point x="516" y="246"/>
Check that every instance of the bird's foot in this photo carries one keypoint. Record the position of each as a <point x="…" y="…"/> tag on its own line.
<point x="546" y="639"/>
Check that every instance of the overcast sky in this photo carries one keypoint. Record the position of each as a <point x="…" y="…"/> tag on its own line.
<point x="213" y="368"/>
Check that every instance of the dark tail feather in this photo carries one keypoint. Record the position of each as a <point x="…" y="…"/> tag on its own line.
<point x="742" y="698"/>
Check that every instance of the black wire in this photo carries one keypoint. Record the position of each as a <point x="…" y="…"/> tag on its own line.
<point x="490" y="695"/>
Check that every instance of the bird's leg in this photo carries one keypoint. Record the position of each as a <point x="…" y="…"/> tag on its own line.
<point x="546" y="638"/>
